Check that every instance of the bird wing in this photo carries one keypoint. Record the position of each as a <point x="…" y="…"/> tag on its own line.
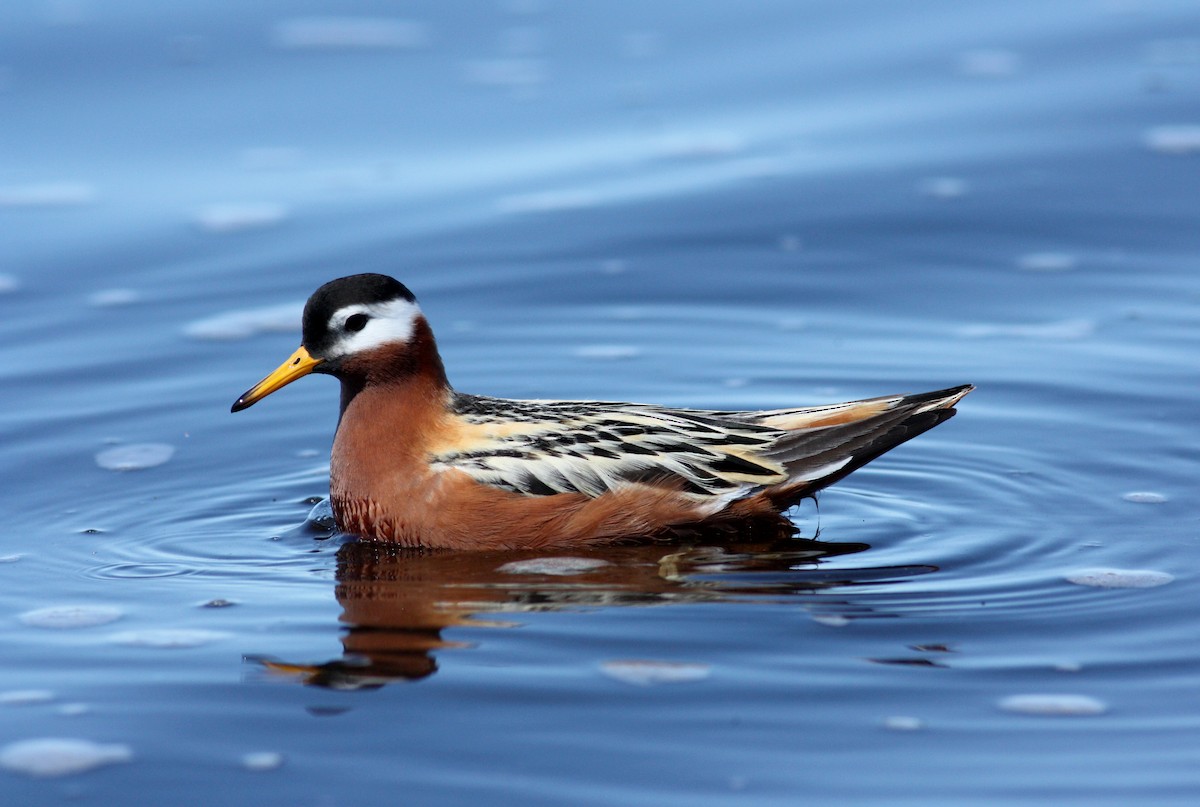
<point x="545" y="447"/>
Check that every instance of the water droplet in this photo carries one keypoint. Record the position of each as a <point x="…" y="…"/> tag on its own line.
<point x="1054" y="705"/>
<point x="554" y="566"/>
<point x="9" y="284"/>
<point x="218" y="603"/>
<point x="903" y="723"/>
<point x="63" y="617"/>
<point x="1174" y="140"/>
<point x="1144" y="497"/>
<point x="648" y="672"/>
<point x="167" y="638"/>
<point x="50" y="757"/>
<point x="73" y="709"/>
<point x="262" y="760"/>
<point x="321" y="515"/>
<point x="790" y="243"/>
<point x="25" y="697"/>
<point x="10" y="558"/>
<point x="1119" y="578"/>
<point x="614" y="266"/>
<point x="135" y="456"/>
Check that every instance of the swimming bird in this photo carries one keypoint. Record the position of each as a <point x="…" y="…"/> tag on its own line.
<point x="417" y="463"/>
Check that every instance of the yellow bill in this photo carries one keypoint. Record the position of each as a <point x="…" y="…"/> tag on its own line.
<point x="298" y="365"/>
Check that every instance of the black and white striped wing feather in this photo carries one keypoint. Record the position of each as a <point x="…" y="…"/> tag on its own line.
<point x="548" y="447"/>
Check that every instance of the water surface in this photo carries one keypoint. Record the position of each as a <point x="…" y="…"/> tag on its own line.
<point x="710" y="207"/>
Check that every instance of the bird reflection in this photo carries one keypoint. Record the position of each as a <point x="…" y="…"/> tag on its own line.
<point x="397" y="602"/>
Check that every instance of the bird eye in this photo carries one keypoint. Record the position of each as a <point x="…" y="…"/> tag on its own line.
<point x="356" y="322"/>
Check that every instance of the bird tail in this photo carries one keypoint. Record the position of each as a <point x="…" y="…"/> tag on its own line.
<point x="827" y="443"/>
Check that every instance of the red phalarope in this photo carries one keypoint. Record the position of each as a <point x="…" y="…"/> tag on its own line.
<point x="416" y="463"/>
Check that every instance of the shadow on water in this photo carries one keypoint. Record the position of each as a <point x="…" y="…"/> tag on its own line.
<point x="397" y="602"/>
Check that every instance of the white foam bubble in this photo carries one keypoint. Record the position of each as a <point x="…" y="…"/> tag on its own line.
<point x="1176" y="140"/>
<point x="903" y="723"/>
<point x="607" y="352"/>
<point x="648" y="672"/>
<point x="111" y="298"/>
<point x="1119" y="578"/>
<point x="236" y="217"/>
<point x="554" y="566"/>
<point x="1144" y="497"/>
<point x="74" y="709"/>
<point x="168" y="638"/>
<point x="47" y="194"/>
<point x="1054" y="705"/>
<point x="64" y="617"/>
<point x="349" y="33"/>
<point x="9" y="284"/>
<point x="831" y="620"/>
<point x="53" y="756"/>
<point x="25" y="697"/>
<point x="1047" y="262"/>
<point x="262" y="760"/>
<point x="247" y="322"/>
<point x="135" y="456"/>
<point x="10" y="558"/>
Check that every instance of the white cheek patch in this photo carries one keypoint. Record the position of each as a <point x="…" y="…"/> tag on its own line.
<point x="387" y="324"/>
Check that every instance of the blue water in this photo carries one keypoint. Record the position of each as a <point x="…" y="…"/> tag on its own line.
<point x="701" y="204"/>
